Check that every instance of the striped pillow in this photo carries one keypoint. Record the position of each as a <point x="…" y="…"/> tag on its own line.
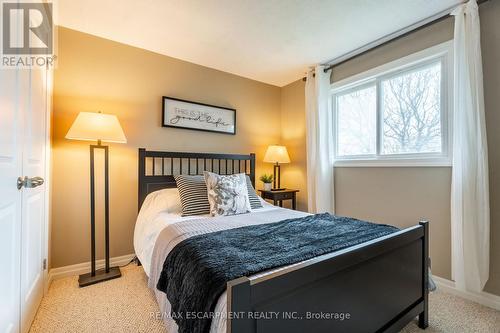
<point x="193" y="194"/>
<point x="252" y="196"/>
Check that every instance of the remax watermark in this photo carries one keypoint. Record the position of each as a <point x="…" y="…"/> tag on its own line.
<point x="27" y="34"/>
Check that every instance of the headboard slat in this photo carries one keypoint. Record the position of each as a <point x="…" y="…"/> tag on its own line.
<point x="152" y="182"/>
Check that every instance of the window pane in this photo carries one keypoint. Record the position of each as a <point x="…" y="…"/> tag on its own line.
<point x="411" y="108"/>
<point x="357" y="122"/>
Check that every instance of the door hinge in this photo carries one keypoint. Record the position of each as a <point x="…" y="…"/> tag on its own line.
<point x="44" y="264"/>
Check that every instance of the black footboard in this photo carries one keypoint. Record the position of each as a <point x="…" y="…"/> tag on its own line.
<point x="378" y="286"/>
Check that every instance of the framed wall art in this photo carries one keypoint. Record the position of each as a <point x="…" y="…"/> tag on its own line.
<point x="198" y="116"/>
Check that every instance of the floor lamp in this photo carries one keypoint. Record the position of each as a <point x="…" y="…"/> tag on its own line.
<point x="91" y="126"/>
<point x="277" y="154"/>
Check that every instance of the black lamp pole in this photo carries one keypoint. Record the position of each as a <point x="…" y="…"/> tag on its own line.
<point x="277" y="177"/>
<point x="107" y="273"/>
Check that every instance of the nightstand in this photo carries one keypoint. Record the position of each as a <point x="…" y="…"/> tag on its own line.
<point x="278" y="196"/>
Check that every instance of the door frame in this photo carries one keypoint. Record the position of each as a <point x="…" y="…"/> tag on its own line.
<point x="49" y="84"/>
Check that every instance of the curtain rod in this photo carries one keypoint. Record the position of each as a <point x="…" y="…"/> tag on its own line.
<point x="393" y="37"/>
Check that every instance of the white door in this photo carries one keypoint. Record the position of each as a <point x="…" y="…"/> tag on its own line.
<point x="34" y="107"/>
<point x="23" y="144"/>
<point x="10" y="200"/>
<point x="23" y="215"/>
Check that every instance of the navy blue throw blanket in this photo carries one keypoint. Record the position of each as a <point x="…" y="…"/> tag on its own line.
<point x="196" y="271"/>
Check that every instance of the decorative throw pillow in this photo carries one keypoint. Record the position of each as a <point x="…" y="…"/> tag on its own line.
<point x="193" y="194"/>
<point x="252" y="196"/>
<point x="228" y="194"/>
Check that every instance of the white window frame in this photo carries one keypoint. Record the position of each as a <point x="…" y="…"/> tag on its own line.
<point x="443" y="53"/>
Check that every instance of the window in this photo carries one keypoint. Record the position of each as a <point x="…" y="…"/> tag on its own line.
<point x="357" y="122"/>
<point x="395" y="114"/>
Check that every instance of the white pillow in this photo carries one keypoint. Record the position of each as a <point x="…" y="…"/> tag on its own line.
<point x="167" y="200"/>
<point x="227" y="194"/>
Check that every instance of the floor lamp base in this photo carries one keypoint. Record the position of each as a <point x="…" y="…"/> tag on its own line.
<point x="100" y="275"/>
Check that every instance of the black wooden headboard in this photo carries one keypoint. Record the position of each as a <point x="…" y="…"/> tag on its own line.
<point x="158" y="168"/>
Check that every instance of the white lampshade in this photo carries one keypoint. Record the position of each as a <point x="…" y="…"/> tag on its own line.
<point x="93" y="126"/>
<point x="276" y="154"/>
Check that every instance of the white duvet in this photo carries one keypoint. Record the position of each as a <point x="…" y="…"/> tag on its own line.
<point x="160" y="215"/>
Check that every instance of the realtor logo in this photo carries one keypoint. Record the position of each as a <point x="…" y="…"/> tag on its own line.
<point x="27" y="34"/>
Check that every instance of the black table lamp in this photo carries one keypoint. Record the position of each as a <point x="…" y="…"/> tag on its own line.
<point x="91" y="126"/>
<point x="277" y="154"/>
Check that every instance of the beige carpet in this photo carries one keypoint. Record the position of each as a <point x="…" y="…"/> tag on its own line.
<point x="127" y="305"/>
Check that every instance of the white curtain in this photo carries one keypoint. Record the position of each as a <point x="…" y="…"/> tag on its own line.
<point x="320" y="185"/>
<point x="469" y="192"/>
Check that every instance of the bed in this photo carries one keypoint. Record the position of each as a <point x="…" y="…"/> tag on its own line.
<point x="380" y="284"/>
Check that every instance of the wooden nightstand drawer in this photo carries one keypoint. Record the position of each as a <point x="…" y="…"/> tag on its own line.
<point x="279" y="196"/>
<point x="285" y="195"/>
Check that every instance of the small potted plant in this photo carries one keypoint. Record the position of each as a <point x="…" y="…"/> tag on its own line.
<point x="267" y="180"/>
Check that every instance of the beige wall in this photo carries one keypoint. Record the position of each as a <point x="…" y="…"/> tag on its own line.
<point x="402" y="196"/>
<point x="97" y="74"/>
<point x="490" y="45"/>
<point x="293" y="131"/>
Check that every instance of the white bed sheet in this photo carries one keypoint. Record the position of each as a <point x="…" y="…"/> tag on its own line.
<point x="147" y="230"/>
<point x="149" y="224"/>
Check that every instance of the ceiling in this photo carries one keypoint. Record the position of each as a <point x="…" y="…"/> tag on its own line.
<point x="272" y="41"/>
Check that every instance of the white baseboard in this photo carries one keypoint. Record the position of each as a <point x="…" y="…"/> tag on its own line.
<point x="484" y="298"/>
<point x="84" y="267"/>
